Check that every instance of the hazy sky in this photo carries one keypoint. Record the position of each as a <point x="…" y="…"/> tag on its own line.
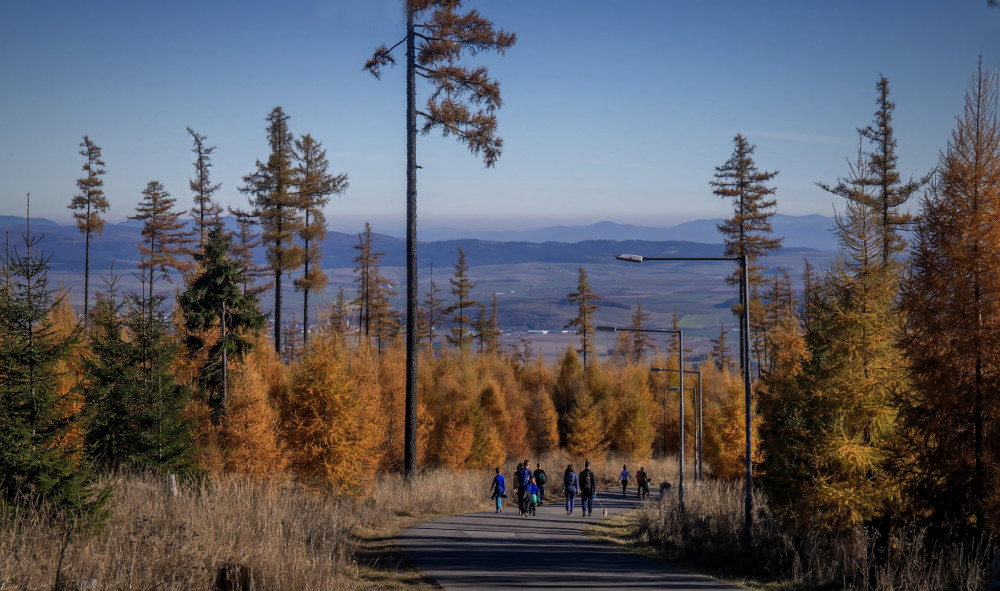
<point x="612" y="110"/>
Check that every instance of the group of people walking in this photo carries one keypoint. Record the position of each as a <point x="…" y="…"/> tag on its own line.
<point x="584" y="485"/>
<point x="529" y="487"/>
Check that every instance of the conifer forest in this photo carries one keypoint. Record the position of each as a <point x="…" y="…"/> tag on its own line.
<point x="875" y="380"/>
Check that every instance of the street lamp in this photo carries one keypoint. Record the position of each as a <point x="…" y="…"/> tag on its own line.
<point x="699" y="474"/>
<point x="680" y="345"/>
<point x="744" y="366"/>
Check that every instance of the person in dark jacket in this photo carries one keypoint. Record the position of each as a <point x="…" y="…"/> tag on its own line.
<point x="540" y="480"/>
<point x="588" y="488"/>
<point x="498" y="488"/>
<point x="522" y="479"/>
<point x="571" y="485"/>
<point x="643" y="481"/>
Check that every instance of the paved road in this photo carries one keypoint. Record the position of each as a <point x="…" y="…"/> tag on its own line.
<point x="505" y="551"/>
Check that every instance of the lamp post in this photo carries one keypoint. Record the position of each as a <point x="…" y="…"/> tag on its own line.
<point x="699" y="475"/>
<point x="744" y="367"/>
<point x="680" y="345"/>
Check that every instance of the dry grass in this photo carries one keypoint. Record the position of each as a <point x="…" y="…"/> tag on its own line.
<point x="291" y="537"/>
<point x="710" y="535"/>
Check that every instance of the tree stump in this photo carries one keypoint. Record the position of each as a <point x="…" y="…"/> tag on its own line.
<point x="172" y="483"/>
<point x="235" y="577"/>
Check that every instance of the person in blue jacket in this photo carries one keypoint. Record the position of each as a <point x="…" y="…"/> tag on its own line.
<point x="570" y="487"/>
<point x="533" y="500"/>
<point x="498" y="488"/>
<point x="522" y="479"/>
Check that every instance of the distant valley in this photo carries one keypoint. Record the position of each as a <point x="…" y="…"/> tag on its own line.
<point x="529" y="274"/>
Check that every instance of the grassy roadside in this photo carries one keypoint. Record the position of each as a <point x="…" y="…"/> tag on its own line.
<point x="379" y="561"/>
<point x="622" y="531"/>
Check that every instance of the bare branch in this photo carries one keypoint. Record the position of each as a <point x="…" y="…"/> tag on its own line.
<point x="382" y="57"/>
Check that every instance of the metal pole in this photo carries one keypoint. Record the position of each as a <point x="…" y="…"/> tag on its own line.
<point x="745" y="342"/>
<point x="680" y="484"/>
<point x="666" y="394"/>
<point x="701" y="406"/>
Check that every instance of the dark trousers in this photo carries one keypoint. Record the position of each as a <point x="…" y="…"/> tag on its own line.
<point x="624" y="486"/>
<point x="587" y="501"/>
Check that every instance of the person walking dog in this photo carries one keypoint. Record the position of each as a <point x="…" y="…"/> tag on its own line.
<point x="588" y="488"/>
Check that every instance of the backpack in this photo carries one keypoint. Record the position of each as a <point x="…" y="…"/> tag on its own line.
<point x="587" y="482"/>
<point x="541" y="477"/>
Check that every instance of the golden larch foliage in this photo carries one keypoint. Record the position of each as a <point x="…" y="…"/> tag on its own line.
<point x="331" y="421"/>
<point x="452" y="443"/>
<point x="725" y="433"/>
<point x="631" y="433"/>
<point x="486" y="450"/>
<point x="542" y="435"/>
<point x="585" y="429"/>
<point x="250" y="432"/>
<point x="69" y="372"/>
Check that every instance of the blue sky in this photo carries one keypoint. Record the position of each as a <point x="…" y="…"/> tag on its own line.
<point x="612" y="110"/>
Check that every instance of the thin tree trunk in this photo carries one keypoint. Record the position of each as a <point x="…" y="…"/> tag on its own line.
<point x="305" y="294"/>
<point x="410" y="452"/>
<point x="86" y="276"/>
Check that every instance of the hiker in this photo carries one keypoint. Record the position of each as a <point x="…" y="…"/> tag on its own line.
<point x="588" y="489"/>
<point x="523" y="477"/>
<point x="540" y="479"/>
<point x="623" y="478"/>
<point x="570" y="487"/>
<point x="643" y="482"/>
<point x="533" y="498"/>
<point x="498" y="488"/>
<point x="664" y="489"/>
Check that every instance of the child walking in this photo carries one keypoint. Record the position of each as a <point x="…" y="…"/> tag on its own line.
<point x="497" y="489"/>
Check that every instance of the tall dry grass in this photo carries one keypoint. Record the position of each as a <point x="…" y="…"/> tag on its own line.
<point x="293" y="538"/>
<point x="710" y="533"/>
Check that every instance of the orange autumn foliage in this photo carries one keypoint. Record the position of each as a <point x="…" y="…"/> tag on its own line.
<point x="331" y="418"/>
<point x="249" y="433"/>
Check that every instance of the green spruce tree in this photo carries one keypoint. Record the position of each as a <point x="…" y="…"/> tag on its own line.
<point x="215" y="297"/>
<point x="36" y="464"/>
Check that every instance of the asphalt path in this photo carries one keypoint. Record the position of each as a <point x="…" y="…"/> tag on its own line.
<point x="549" y="551"/>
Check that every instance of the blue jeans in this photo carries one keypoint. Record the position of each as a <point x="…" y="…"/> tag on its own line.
<point x="587" y="501"/>
<point x="570" y="501"/>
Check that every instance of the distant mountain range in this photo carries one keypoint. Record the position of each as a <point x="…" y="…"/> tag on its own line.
<point x="559" y="244"/>
<point x="806" y="231"/>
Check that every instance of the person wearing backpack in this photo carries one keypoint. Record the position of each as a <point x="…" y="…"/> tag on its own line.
<point x="570" y="487"/>
<point x="522" y="479"/>
<point x="498" y="488"/>
<point x="533" y="500"/>
<point x="540" y="479"/>
<point x="588" y="488"/>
